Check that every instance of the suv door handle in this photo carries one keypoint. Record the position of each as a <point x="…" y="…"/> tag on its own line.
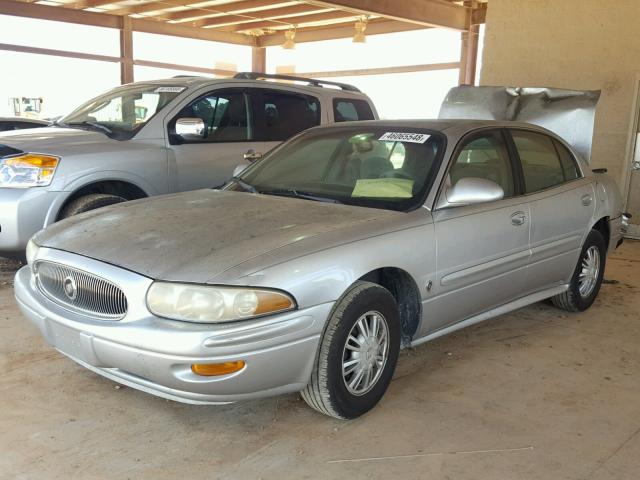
<point x="518" y="218"/>
<point x="587" y="199"/>
<point x="252" y="156"/>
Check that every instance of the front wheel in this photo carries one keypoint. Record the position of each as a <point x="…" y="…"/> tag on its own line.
<point x="89" y="202"/>
<point x="358" y="353"/>
<point x="587" y="276"/>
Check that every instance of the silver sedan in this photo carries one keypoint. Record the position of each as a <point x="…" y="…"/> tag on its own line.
<point x="314" y="266"/>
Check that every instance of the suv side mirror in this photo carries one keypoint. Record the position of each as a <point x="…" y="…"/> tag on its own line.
<point x="190" y="128"/>
<point x="472" y="190"/>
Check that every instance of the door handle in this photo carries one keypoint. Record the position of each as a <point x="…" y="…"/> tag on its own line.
<point x="587" y="199"/>
<point x="252" y="156"/>
<point x="518" y="218"/>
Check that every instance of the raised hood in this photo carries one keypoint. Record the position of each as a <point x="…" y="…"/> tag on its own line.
<point x="568" y="113"/>
<point x="53" y="140"/>
<point x="196" y="235"/>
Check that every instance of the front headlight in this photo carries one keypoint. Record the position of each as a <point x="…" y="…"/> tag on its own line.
<point x="210" y="304"/>
<point x="32" y="251"/>
<point x="28" y="170"/>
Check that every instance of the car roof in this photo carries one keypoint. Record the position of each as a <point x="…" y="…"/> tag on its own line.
<point x="197" y="81"/>
<point x="453" y="127"/>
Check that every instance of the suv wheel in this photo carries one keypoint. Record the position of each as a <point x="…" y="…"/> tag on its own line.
<point x="358" y="353"/>
<point x="89" y="202"/>
<point x="587" y="277"/>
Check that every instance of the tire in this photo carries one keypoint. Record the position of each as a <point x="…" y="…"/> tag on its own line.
<point x="89" y="202"/>
<point x="328" y="391"/>
<point x="575" y="299"/>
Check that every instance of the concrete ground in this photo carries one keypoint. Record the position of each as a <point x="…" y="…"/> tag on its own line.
<point x="536" y="394"/>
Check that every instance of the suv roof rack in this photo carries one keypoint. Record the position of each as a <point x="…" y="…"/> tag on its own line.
<point x="309" y="81"/>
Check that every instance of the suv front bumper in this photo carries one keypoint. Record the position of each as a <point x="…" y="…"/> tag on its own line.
<point x="23" y="211"/>
<point x="155" y="355"/>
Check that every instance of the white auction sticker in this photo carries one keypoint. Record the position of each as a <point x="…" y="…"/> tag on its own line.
<point x="405" y="137"/>
<point x="169" y="89"/>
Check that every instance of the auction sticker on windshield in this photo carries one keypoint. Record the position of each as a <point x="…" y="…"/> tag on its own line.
<point x="405" y="137"/>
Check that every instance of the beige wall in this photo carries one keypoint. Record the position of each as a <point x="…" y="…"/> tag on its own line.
<point x="579" y="44"/>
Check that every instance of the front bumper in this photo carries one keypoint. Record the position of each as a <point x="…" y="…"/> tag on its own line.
<point x="23" y="211"/>
<point x="154" y="354"/>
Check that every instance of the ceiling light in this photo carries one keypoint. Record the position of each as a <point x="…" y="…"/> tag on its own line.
<point x="289" y="43"/>
<point x="360" y="26"/>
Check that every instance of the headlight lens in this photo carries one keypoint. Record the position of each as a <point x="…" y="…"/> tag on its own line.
<point x="28" y="170"/>
<point x="209" y="304"/>
<point x="32" y="251"/>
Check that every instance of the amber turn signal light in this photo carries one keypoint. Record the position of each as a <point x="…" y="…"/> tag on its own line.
<point x="216" y="369"/>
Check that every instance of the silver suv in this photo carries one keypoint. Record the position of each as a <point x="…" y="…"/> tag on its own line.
<point x="156" y="137"/>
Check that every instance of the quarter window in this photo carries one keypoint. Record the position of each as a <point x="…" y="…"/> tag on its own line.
<point x="348" y="110"/>
<point x="225" y="117"/>
<point x="485" y="157"/>
<point x="284" y="114"/>
<point x="540" y="162"/>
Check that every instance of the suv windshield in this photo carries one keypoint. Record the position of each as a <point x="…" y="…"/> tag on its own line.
<point x="122" y="112"/>
<point x="379" y="167"/>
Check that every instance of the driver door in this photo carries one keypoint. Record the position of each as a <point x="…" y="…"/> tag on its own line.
<point x="482" y="250"/>
<point x="207" y="159"/>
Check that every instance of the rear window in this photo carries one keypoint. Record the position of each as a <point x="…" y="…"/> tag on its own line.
<point x="350" y="110"/>
<point x="285" y="114"/>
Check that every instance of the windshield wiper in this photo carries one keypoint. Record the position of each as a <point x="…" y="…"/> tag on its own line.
<point x="294" y="193"/>
<point x="93" y="125"/>
<point x="248" y="187"/>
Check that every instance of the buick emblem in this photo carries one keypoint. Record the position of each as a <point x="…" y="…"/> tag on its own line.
<point x="70" y="288"/>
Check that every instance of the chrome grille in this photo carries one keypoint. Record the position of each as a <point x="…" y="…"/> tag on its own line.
<point x="80" y="291"/>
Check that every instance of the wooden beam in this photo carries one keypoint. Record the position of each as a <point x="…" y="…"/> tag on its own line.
<point x="89" y="4"/>
<point x="469" y="50"/>
<point x="147" y="7"/>
<point x="126" y="51"/>
<point x="256" y="7"/>
<point x="432" y="13"/>
<point x="479" y="14"/>
<point x="9" y="47"/>
<point x="330" y="32"/>
<point x="258" y="16"/>
<point x="45" y="12"/>
<point x="288" y="22"/>
<point x="188" y="68"/>
<point x="259" y="60"/>
<point x="428" y="67"/>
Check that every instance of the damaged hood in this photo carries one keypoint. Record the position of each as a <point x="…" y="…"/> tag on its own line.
<point x="568" y="113"/>
<point x="195" y="236"/>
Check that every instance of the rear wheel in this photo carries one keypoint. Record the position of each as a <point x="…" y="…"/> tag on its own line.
<point x="89" y="202"/>
<point x="358" y="353"/>
<point x="587" y="277"/>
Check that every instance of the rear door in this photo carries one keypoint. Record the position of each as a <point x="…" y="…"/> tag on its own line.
<point x="281" y="114"/>
<point x="483" y="249"/>
<point x="562" y="203"/>
<point x="209" y="160"/>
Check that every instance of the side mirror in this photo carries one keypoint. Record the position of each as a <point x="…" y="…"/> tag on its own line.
<point x="190" y="128"/>
<point x="471" y="190"/>
<point x="241" y="167"/>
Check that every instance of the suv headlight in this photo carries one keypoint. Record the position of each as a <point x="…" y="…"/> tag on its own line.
<point x="27" y="170"/>
<point x="210" y="304"/>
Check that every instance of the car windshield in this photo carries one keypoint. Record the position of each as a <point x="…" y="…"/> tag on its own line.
<point x="122" y="112"/>
<point x="380" y="167"/>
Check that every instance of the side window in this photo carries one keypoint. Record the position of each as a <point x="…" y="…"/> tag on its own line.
<point x="281" y="115"/>
<point x="348" y="110"/>
<point x="540" y="162"/>
<point x="485" y="157"/>
<point x="568" y="162"/>
<point x="225" y="116"/>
